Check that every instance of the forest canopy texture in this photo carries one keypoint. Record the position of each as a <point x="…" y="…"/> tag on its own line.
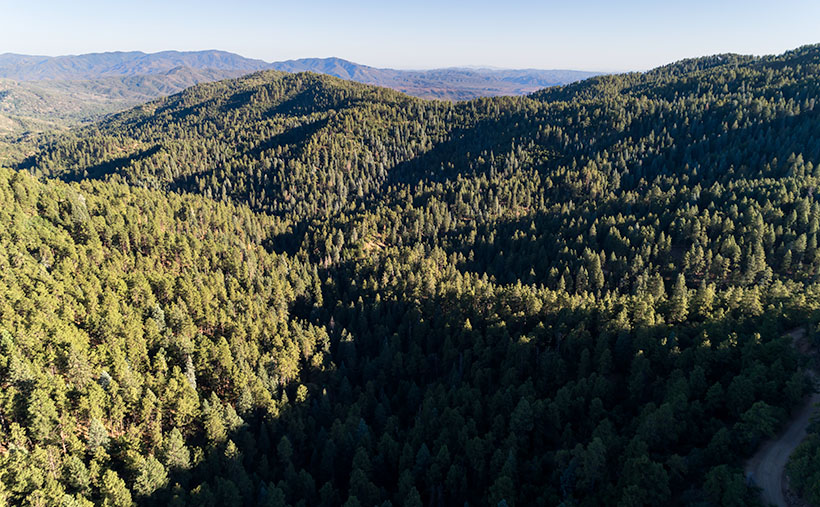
<point x="289" y="289"/>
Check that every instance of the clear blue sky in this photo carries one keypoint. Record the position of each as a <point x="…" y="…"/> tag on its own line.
<point x="578" y="34"/>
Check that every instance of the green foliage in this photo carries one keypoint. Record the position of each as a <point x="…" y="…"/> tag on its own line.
<point x="97" y="435"/>
<point x="151" y="476"/>
<point x="804" y="466"/>
<point x="288" y="288"/>
<point x="114" y="492"/>
<point x="175" y="455"/>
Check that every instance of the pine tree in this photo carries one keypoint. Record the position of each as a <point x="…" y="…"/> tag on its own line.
<point x="114" y="491"/>
<point x="151" y="476"/>
<point x="97" y="436"/>
<point x="703" y="301"/>
<point x="42" y="415"/>
<point x="174" y="453"/>
<point x="679" y="300"/>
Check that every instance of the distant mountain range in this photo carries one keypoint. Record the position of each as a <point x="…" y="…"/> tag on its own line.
<point x="42" y="92"/>
<point x="446" y="84"/>
<point x="119" y="64"/>
<point x="42" y="105"/>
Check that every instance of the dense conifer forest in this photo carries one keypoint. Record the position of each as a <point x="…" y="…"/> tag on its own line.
<point x="289" y="289"/>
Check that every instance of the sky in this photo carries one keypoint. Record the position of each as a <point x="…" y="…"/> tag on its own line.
<point x="596" y="35"/>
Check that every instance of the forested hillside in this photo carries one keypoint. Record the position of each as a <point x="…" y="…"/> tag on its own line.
<point x="118" y="64"/>
<point x="41" y="93"/>
<point x="27" y="106"/>
<point x="289" y="289"/>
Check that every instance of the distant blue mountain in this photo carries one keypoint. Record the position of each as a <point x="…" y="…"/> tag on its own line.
<point x="117" y="64"/>
<point x="450" y="83"/>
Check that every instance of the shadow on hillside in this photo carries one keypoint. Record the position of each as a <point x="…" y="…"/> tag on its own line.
<point x="396" y="358"/>
<point x="315" y="99"/>
<point x="458" y="152"/>
<point x="297" y="136"/>
<point x="288" y="242"/>
<point x="289" y="141"/>
<point x="524" y="248"/>
<point x="103" y="169"/>
<point x="237" y="100"/>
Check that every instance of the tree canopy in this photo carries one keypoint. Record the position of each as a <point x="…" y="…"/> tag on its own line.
<point x="288" y="289"/>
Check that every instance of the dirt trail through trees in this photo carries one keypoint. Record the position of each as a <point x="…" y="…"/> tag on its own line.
<point x="767" y="467"/>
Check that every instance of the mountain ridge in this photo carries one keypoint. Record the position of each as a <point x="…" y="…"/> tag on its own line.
<point x="42" y="92"/>
<point x="39" y="105"/>
<point x="575" y="297"/>
<point x="451" y="83"/>
<point x="117" y="63"/>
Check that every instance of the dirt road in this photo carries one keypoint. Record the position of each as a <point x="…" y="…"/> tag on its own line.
<point x="766" y="467"/>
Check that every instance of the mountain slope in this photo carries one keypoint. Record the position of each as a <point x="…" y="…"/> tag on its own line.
<point x="59" y="103"/>
<point x="289" y="288"/>
<point x="133" y="63"/>
<point x="296" y="118"/>
<point x="39" y="93"/>
<point x="451" y="84"/>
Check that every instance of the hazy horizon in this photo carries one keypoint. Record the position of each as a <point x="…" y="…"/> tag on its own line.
<point x="330" y="57"/>
<point x="474" y="67"/>
<point x="590" y="35"/>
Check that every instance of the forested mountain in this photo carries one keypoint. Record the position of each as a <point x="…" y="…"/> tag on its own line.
<point x="39" y="105"/>
<point x="117" y="64"/>
<point x="39" y="93"/>
<point x="289" y="289"/>
<point x="450" y="84"/>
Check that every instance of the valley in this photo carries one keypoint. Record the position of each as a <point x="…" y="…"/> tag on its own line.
<point x="39" y="93"/>
<point x="293" y="289"/>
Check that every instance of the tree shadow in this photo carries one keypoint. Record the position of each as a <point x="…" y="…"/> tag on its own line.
<point x="315" y="99"/>
<point x="104" y="169"/>
<point x="296" y="136"/>
<point x="458" y="152"/>
<point x="411" y="376"/>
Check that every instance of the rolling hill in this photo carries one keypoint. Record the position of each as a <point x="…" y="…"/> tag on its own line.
<point x="45" y="105"/>
<point x="450" y="84"/>
<point x="292" y="289"/>
<point x="115" y="64"/>
<point x="39" y="93"/>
